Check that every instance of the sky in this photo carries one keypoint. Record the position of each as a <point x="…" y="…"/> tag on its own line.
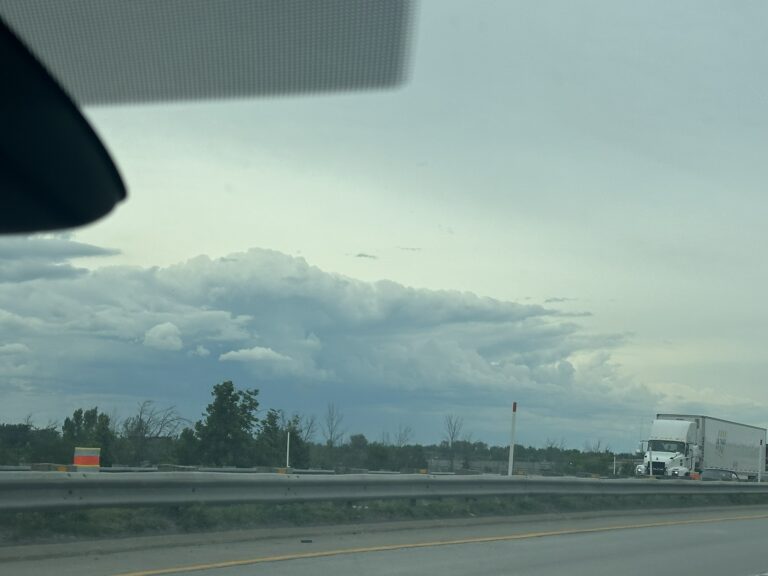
<point x="563" y="206"/>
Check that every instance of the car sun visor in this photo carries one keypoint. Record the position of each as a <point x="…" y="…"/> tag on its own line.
<point x="116" y="51"/>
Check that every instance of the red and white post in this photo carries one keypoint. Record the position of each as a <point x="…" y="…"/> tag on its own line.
<point x="512" y="440"/>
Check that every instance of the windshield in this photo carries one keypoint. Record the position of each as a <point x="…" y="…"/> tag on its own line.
<point x="391" y="304"/>
<point x="666" y="446"/>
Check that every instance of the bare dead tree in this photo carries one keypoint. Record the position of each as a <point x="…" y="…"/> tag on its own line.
<point x="52" y="425"/>
<point x="285" y="420"/>
<point x="555" y="444"/>
<point x="594" y="447"/>
<point x="332" y="429"/>
<point x="148" y="423"/>
<point x="403" y="436"/>
<point x="308" y="426"/>
<point x="114" y="422"/>
<point x="452" y="426"/>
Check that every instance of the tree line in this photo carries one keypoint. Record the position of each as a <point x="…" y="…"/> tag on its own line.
<point x="234" y="432"/>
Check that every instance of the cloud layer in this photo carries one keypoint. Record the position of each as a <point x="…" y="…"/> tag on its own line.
<point x="23" y="259"/>
<point x="384" y="353"/>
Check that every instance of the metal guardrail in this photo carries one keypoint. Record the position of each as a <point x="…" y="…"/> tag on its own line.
<point x="57" y="490"/>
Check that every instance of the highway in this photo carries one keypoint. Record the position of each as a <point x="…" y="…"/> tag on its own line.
<point x="706" y="542"/>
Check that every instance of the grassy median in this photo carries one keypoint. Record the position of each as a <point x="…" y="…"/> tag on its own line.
<point x="29" y="527"/>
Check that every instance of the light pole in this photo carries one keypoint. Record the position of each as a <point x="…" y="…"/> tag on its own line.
<point x="512" y="440"/>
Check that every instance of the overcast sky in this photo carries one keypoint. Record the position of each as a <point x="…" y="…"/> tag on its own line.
<point x="563" y="207"/>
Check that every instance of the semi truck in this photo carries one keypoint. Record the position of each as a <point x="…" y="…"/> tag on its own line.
<point x="685" y="444"/>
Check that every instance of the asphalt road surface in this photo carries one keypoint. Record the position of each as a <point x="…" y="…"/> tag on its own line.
<point x="715" y="542"/>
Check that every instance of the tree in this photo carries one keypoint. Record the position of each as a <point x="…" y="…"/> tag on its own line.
<point x="46" y="445"/>
<point x="90" y="428"/>
<point x="358" y="451"/>
<point x="299" y="442"/>
<point x="148" y="434"/>
<point x="26" y="443"/>
<point x="593" y="447"/>
<point x="452" y="426"/>
<point x="14" y="443"/>
<point x="552" y="444"/>
<point x="187" y="448"/>
<point x="403" y="436"/>
<point x="271" y="441"/>
<point x="307" y="425"/>
<point x="226" y="433"/>
<point x="379" y="456"/>
<point x="411" y="457"/>
<point x="79" y="428"/>
<point x="332" y="430"/>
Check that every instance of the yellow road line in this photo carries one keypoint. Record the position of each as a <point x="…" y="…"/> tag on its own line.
<point x="388" y="547"/>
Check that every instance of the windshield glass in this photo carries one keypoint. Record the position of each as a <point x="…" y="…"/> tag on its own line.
<point x="551" y="231"/>
<point x="666" y="446"/>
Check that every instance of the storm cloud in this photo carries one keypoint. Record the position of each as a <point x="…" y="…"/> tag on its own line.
<point x="382" y="351"/>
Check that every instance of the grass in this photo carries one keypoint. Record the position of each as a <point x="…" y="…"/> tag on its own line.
<point x="36" y="527"/>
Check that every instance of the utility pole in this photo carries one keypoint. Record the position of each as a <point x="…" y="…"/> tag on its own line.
<point x="512" y="440"/>
<point x="760" y="461"/>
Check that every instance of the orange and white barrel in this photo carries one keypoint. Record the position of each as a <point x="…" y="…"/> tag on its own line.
<point x="87" y="459"/>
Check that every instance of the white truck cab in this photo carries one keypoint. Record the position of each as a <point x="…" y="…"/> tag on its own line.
<point x="671" y="448"/>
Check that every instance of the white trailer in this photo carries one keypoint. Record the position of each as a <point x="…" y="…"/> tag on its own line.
<point x="683" y="443"/>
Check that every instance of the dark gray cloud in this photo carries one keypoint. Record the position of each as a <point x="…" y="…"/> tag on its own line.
<point x="304" y="337"/>
<point x="57" y="248"/>
<point x="32" y="258"/>
<point x="364" y="255"/>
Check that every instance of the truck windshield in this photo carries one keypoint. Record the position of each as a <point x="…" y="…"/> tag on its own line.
<point x="666" y="446"/>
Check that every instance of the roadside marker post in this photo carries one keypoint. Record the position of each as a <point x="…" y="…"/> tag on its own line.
<point x="288" y="450"/>
<point x="650" y="460"/>
<point x="512" y="440"/>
